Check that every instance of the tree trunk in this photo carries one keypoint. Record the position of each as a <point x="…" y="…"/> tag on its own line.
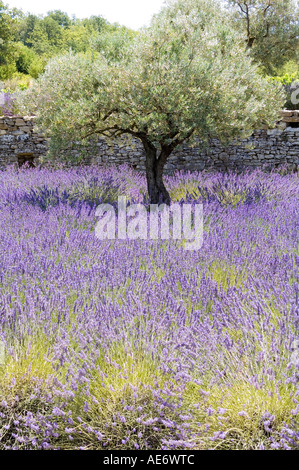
<point x="158" y="194"/>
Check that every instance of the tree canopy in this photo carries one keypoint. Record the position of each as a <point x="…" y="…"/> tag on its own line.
<point x="28" y="41"/>
<point x="269" y="29"/>
<point x="186" y="76"/>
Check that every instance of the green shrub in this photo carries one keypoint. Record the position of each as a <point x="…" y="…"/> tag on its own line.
<point x="290" y="83"/>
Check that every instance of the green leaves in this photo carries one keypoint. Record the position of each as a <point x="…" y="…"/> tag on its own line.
<point x="187" y="74"/>
<point x="270" y="29"/>
<point x="7" y="66"/>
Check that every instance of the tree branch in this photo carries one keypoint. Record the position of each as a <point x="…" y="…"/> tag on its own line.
<point x="264" y="20"/>
<point x="245" y="10"/>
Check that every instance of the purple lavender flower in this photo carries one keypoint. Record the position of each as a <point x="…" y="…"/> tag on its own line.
<point x="137" y="335"/>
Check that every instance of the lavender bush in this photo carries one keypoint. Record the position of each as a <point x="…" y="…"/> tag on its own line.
<point x="7" y="103"/>
<point x="141" y="344"/>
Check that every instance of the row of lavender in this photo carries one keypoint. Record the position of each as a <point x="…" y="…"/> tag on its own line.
<point x="142" y="344"/>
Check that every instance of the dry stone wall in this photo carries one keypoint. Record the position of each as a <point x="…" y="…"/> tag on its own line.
<point x="269" y="148"/>
<point x="20" y="141"/>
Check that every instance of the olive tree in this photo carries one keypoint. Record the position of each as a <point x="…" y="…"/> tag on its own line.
<point x="270" y="29"/>
<point x="186" y="77"/>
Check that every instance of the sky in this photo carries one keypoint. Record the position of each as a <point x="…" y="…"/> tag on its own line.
<point x="131" y="13"/>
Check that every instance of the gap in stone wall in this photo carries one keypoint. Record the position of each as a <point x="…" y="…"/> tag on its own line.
<point x="27" y="159"/>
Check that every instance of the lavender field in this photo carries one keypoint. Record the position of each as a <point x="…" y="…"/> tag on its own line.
<point x="142" y="344"/>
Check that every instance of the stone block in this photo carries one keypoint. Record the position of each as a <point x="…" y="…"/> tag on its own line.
<point x="286" y="113"/>
<point x="274" y="131"/>
<point x="8" y="139"/>
<point x="20" y="122"/>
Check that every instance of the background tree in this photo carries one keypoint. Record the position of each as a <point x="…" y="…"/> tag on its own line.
<point x="61" y="18"/>
<point x="7" y="20"/>
<point x="28" y="41"/>
<point x="25" y="28"/>
<point x="38" y="38"/>
<point x="270" y="29"/>
<point x="187" y="76"/>
<point x="24" y="57"/>
<point x="46" y="37"/>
